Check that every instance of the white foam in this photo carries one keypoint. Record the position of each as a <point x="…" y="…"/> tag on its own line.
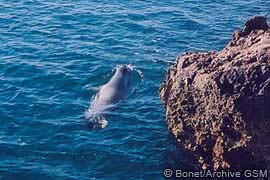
<point x="133" y="68"/>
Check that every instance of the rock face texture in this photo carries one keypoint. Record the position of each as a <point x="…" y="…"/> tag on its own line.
<point x="218" y="103"/>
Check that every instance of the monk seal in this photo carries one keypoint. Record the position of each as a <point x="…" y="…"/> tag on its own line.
<point x="117" y="87"/>
<point x="115" y="90"/>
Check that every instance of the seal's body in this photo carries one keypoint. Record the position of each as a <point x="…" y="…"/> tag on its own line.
<point x="110" y="93"/>
<point x="116" y="89"/>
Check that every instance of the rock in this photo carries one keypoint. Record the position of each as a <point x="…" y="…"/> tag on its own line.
<point x="218" y="103"/>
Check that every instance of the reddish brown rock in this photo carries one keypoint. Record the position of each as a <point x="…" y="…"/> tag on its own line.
<point x="218" y="103"/>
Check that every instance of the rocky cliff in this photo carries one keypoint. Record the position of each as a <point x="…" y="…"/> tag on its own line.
<point x="218" y="103"/>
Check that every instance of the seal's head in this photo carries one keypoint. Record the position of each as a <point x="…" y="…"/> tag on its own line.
<point x="123" y="72"/>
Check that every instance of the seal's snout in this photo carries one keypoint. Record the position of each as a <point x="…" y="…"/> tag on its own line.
<point x="123" y="73"/>
<point x="123" y="69"/>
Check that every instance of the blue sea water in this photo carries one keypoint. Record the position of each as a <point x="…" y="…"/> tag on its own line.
<point x="53" y="53"/>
